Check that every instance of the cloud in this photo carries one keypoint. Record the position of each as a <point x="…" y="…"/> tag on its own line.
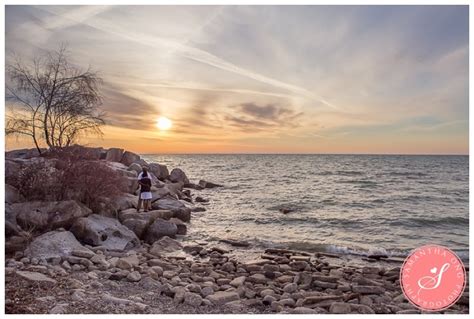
<point x="253" y="117"/>
<point x="195" y="54"/>
<point x="123" y="110"/>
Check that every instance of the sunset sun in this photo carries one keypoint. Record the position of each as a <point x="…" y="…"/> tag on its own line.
<point x="164" y="123"/>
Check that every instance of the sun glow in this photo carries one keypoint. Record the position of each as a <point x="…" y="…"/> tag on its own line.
<point x="164" y="123"/>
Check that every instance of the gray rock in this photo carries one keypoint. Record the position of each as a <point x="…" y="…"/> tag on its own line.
<point x="340" y="308"/>
<point x="135" y="167"/>
<point x="192" y="299"/>
<point x="303" y="311"/>
<point x="237" y="282"/>
<point x="138" y="226"/>
<point x="49" y="215"/>
<point x="290" y="288"/>
<point x="134" y="276"/>
<point x="128" y="262"/>
<point x="55" y="244"/>
<point x="363" y="309"/>
<point x="369" y="290"/>
<point x="114" y="155"/>
<point x="206" y="291"/>
<point x="159" y="229"/>
<point x="160" y="171"/>
<point x="128" y="158"/>
<point x="97" y="230"/>
<point x="182" y="228"/>
<point x="165" y="245"/>
<point x="36" y="277"/>
<point x="223" y="297"/>
<point x="177" y="175"/>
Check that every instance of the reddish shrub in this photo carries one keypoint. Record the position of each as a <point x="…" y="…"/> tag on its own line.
<point x="74" y="153"/>
<point x="89" y="182"/>
<point x="36" y="181"/>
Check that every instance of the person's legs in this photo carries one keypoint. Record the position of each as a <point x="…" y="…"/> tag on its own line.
<point x="148" y="204"/>
<point x="139" y="205"/>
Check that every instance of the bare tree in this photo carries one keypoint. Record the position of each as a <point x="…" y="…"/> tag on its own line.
<point x="53" y="100"/>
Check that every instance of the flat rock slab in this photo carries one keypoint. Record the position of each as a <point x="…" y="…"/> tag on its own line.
<point x="35" y="277"/>
<point x="55" y="244"/>
<point x="223" y="297"/>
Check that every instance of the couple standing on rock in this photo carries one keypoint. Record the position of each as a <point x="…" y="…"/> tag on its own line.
<point x="144" y="181"/>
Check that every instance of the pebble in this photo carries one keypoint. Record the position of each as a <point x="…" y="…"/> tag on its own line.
<point x="134" y="276"/>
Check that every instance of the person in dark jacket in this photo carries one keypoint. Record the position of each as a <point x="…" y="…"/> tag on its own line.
<point x="144" y="181"/>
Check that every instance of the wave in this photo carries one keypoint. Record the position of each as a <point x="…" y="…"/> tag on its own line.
<point x="423" y="221"/>
<point x="349" y="173"/>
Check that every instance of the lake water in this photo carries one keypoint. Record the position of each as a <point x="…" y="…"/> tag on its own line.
<point x="358" y="204"/>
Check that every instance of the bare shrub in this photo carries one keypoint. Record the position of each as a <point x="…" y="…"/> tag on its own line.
<point x="37" y="181"/>
<point x="90" y="182"/>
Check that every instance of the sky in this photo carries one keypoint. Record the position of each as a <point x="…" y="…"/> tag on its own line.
<point x="265" y="79"/>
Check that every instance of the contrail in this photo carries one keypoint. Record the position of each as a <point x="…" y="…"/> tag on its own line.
<point x="195" y="55"/>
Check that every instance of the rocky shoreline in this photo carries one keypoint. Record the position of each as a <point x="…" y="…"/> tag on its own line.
<point x="121" y="261"/>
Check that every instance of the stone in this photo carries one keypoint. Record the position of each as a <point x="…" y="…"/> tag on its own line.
<point x="257" y="279"/>
<point x="192" y="299"/>
<point x="159" y="229"/>
<point x="362" y="309"/>
<point x="43" y="215"/>
<point x="287" y="302"/>
<point x="206" y="291"/>
<point x="340" y="308"/>
<point x="290" y="288"/>
<point x="183" y="214"/>
<point x="324" y="284"/>
<point x="97" y="230"/>
<point x="177" y="175"/>
<point x="138" y="226"/>
<point x="84" y="253"/>
<point x="134" y="276"/>
<point x="223" y="297"/>
<point x="126" y="201"/>
<point x="54" y="244"/>
<point x="181" y="226"/>
<point x="128" y="158"/>
<point x="128" y="262"/>
<point x="114" y="154"/>
<point x="268" y="299"/>
<point x="228" y="267"/>
<point x="237" y="282"/>
<point x="199" y="199"/>
<point x="205" y="184"/>
<point x="160" y="171"/>
<point x="369" y="290"/>
<point x="165" y="245"/>
<point x="303" y="311"/>
<point x="135" y="167"/>
<point x="36" y="277"/>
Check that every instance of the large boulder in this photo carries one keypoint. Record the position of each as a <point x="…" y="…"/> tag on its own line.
<point x="129" y="158"/>
<point x="147" y="216"/>
<point x="159" y="229"/>
<point x="138" y="226"/>
<point x="135" y="167"/>
<point x="126" y="201"/>
<point x="48" y="215"/>
<point x="12" y="195"/>
<point x="165" y="245"/>
<point x="173" y="190"/>
<point x="160" y="171"/>
<point x="25" y="153"/>
<point x="114" y="155"/>
<point x="168" y="204"/>
<point x="177" y="175"/>
<point x="54" y="244"/>
<point x="97" y="230"/>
